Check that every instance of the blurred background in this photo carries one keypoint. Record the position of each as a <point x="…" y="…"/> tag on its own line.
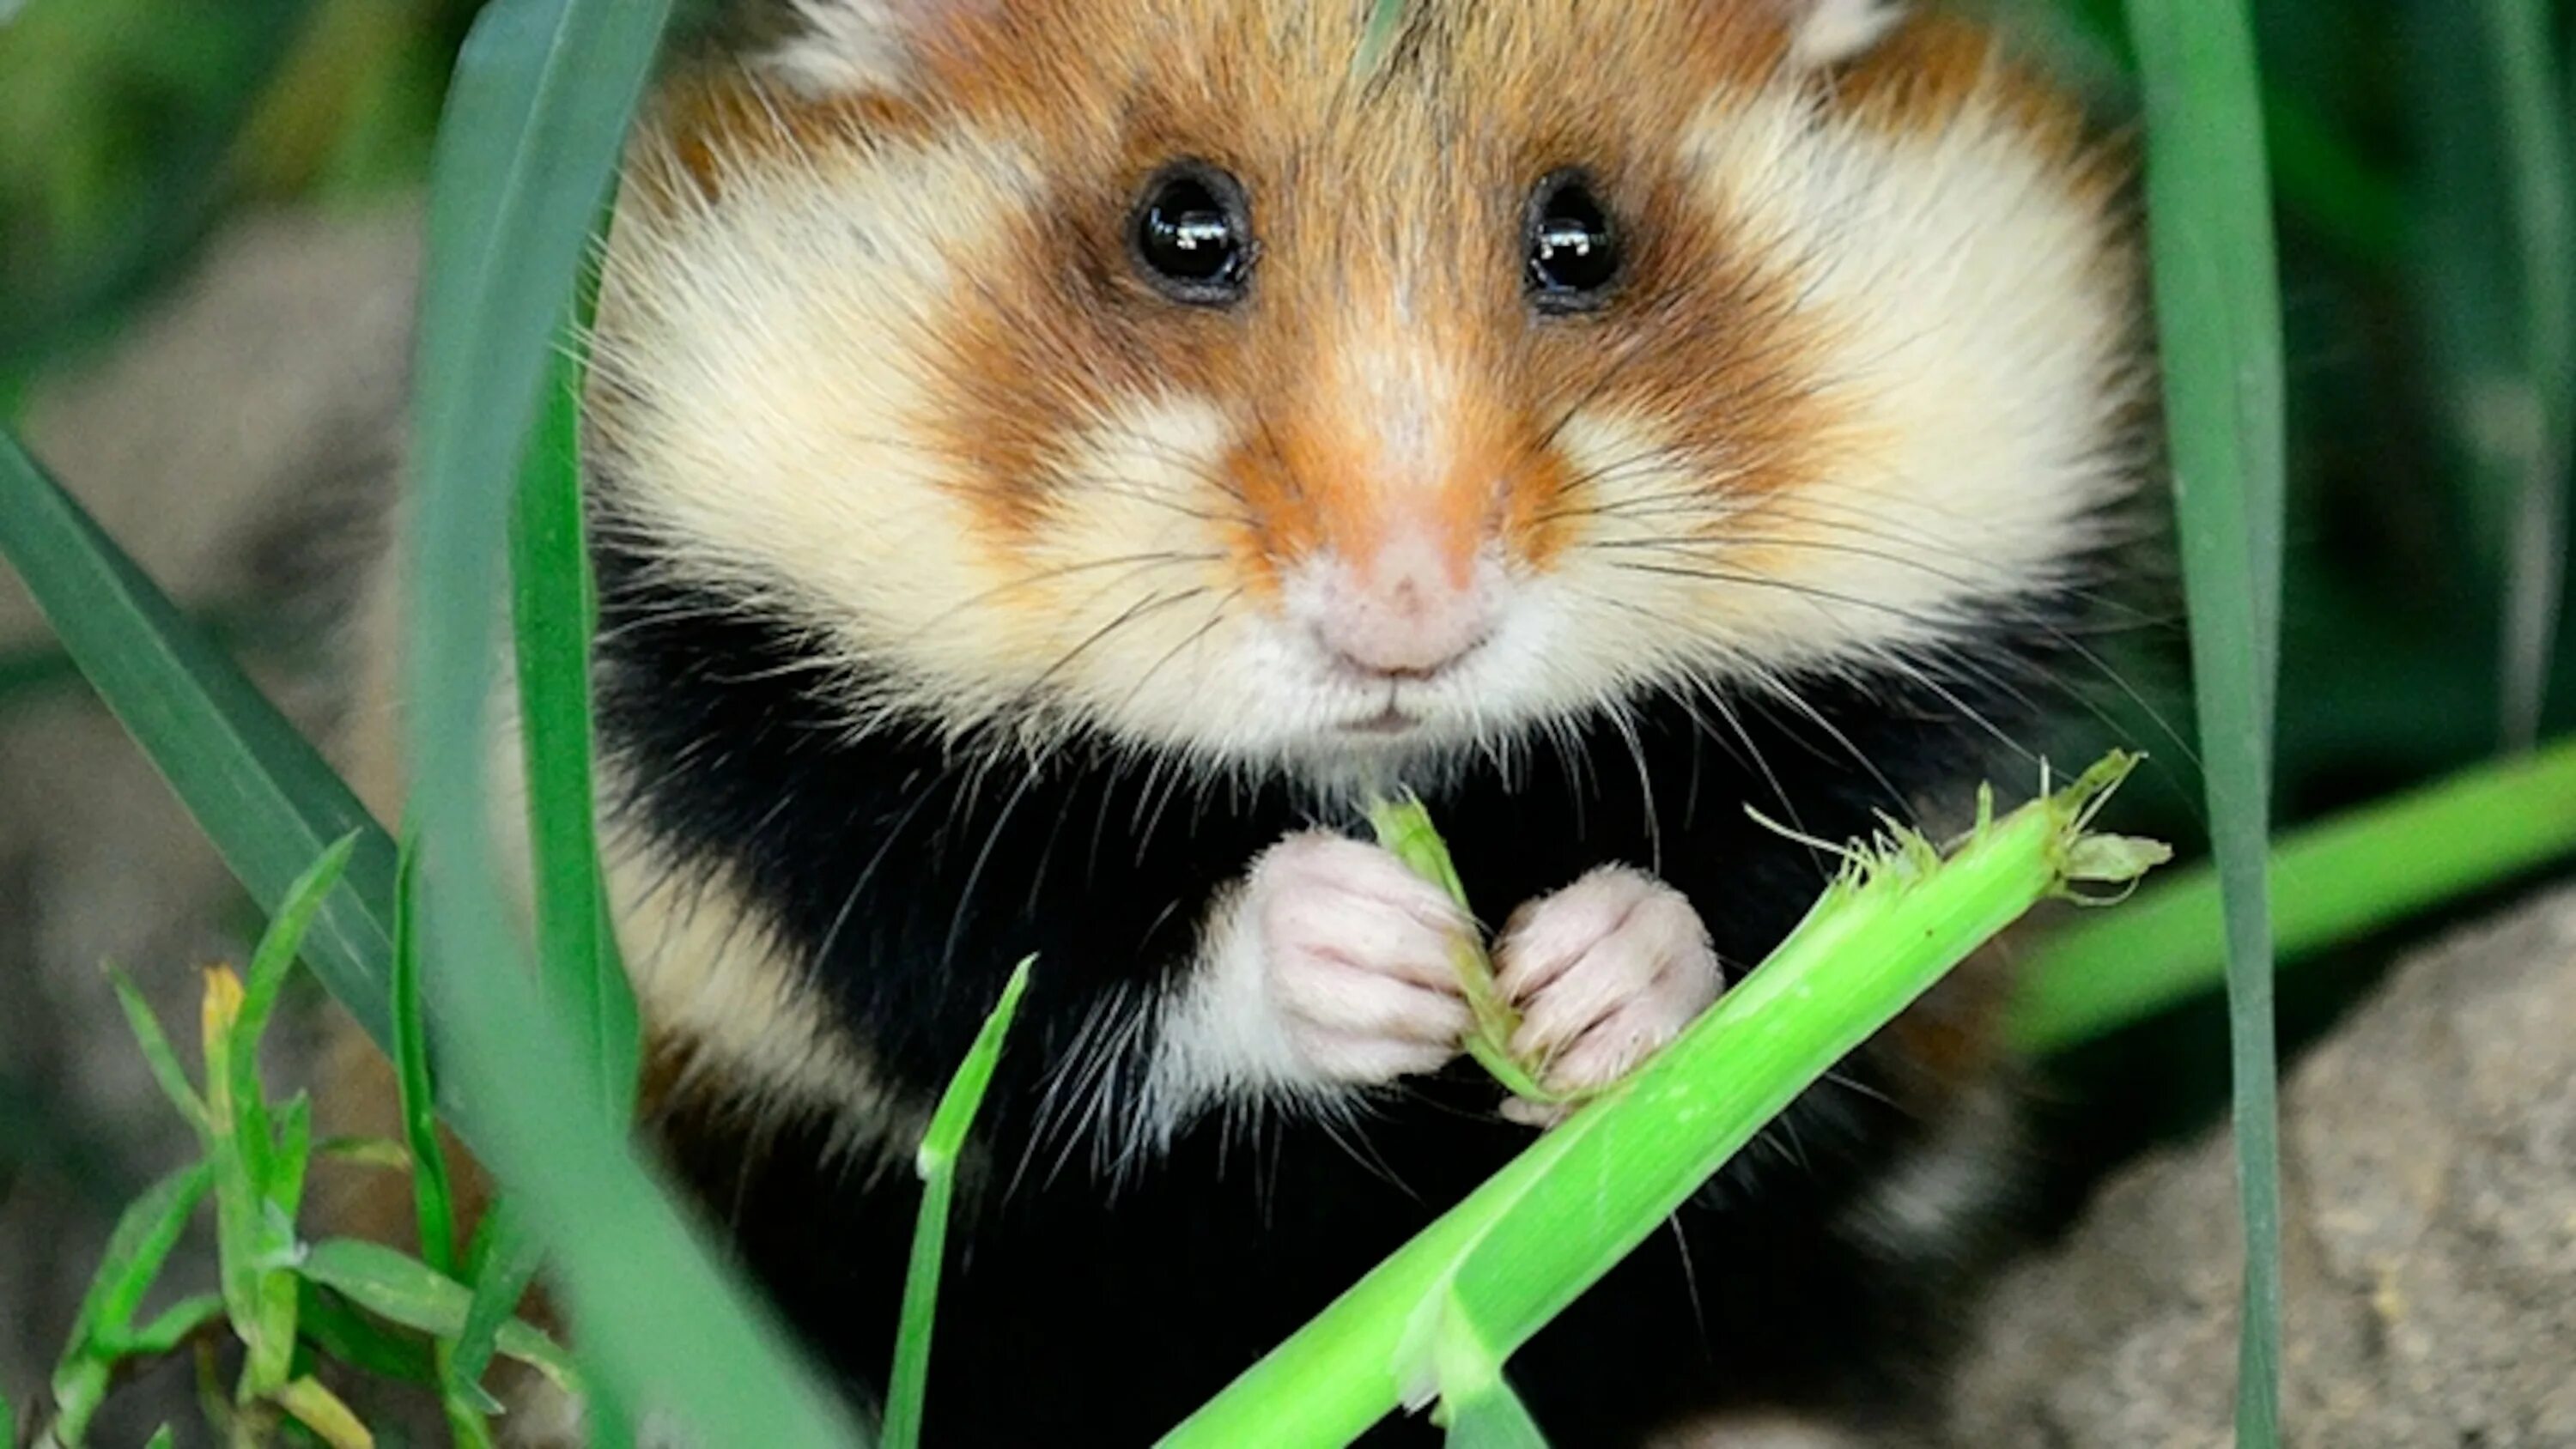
<point x="212" y="204"/>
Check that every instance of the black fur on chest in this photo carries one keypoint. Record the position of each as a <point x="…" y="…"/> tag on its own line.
<point x="1082" y="1310"/>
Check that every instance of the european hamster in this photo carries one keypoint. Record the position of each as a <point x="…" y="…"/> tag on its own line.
<point x="1049" y="459"/>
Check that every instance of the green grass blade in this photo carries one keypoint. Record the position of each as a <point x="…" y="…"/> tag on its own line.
<point x="2543" y="193"/>
<point x="391" y="1285"/>
<point x="406" y="1291"/>
<point x="936" y="1162"/>
<point x="1385" y="22"/>
<point x="2218" y="313"/>
<point x="322" y="1412"/>
<point x="294" y="1157"/>
<point x="144" y="1235"/>
<point x="359" y="1150"/>
<point x="1533" y="1237"/>
<point x="2332" y="882"/>
<point x="526" y="148"/>
<point x="172" y="1325"/>
<point x="433" y="1201"/>
<point x="2324" y="177"/>
<point x="141" y="1242"/>
<point x="554" y="612"/>
<point x="505" y="1258"/>
<point x="157" y="1051"/>
<point x="240" y="1247"/>
<point x="283" y="941"/>
<point x="270" y="961"/>
<point x="256" y="786"/>
<point x="343" y="1335"/>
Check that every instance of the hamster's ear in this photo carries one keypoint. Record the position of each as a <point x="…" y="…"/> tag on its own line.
<point x="1827" y="32"/>
<point x="835" y="47"/>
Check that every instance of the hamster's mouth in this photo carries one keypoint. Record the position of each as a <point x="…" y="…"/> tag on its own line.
<point x="1391" y="720"/>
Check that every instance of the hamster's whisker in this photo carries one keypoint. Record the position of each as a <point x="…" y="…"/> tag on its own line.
<point x="1143" y="608"/>
<point x="1787" y="693"/>
<point x="2035" y="617"/>
<point x="1216" y="616"/>
<point x="1133" y="564"/>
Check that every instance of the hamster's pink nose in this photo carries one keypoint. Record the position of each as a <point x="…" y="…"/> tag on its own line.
<point x="1406" y="615"/>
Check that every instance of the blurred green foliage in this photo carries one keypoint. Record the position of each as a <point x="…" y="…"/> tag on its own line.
<point x="133" y="125"/>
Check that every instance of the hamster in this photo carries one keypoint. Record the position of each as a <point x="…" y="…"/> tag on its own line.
<point x="1050" y="460"/>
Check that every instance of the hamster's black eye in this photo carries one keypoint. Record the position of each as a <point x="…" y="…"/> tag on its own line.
<point x="1191" y="236"/>
<point x="1572" y="246"/>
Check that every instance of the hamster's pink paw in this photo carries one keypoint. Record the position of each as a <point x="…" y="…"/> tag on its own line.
<point x="1604" y="972"/>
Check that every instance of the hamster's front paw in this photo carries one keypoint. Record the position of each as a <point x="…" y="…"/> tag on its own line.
<point x="1355" y="953"/>
<point x="1603" y="972"/>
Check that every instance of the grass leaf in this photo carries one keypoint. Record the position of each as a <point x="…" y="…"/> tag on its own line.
<point x="504" y="1259"/>
<point x="238" y="1195"/>
<point x="2218" y="311"/>
<point x="936" y="1161"/>
<point x="389" y="1284"/>
<point x="379" y="1152"/>
<point x="1385" y="22"/>
<point x="404" y="1290"/>
<point x="172" y="1325"/>
<point x="345" y="1335"/>
<point x="2335" y="881"/>
<point x="157" y="1051"/>
<point x="531" y="134"/>
<point x="433" y="1203"/>
<point x="29" y="673"/>
<point x="554" y="611"/>
<point x="257" y="788"/>
<point x="321" y="1411"/>
<point x="294" y="1155"/>
<point x="145" y="1233"/>
<point x="275" y="955"/>
<point x="2534" y="105"/>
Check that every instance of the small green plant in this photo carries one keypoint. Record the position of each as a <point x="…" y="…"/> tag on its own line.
<point x="436" y="1322"/>
<point x="290" y="1302"/>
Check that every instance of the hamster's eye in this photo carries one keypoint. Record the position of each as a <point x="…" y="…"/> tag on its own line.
<point x="1191" y="236"/>
<point x="1573" y="248"/>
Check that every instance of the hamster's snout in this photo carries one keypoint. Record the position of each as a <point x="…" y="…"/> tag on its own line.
<point x="1408" y="612"/>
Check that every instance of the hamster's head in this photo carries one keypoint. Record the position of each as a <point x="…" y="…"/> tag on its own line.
<point x="1229" y="379"/>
